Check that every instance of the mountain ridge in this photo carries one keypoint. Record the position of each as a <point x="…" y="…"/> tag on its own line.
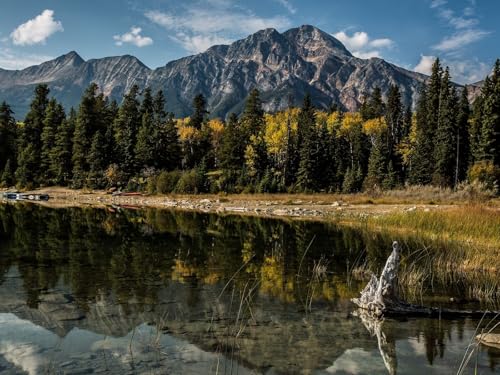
<point x="280" y="65"/>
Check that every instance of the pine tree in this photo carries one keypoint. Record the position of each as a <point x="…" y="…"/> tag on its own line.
<point x="145" y="146"/>
<point x="232" y="150"/>
<point x="374" y="107"/>
<point x="30" y="144"/>
<point x="8" y="138"/>
<point x="252" y="118"/>
<point x="54" y="116"/>
<point x="147" y="105"/>
<point x="445" y="135"/>
<point x="463" y="142"/>
<point x="126" y="127"/>
<point x="200" y="112"/>
<point x="379" y="158"/>
<point x="87" y="121"/>
<point x="97" y="161"/>
<point x="7" y="176"/>
<point x="422" y="164"/>
<point x="167" y="147"/>
<point x="61" y="167"/>
<point x="309" y="148"/>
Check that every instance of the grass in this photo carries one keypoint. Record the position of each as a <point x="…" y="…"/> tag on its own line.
<point x="469" y="224"/>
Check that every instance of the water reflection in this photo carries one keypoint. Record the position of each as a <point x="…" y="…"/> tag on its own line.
<point x="243" y="294"/>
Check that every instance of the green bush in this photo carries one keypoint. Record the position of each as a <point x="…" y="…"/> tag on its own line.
<point x="190" y="182"/>
<point x="166" y="182"/>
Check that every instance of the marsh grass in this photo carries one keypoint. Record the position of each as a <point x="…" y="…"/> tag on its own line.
<point x="470" y="224"/>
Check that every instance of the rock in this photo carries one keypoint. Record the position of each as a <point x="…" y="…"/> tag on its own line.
<point x="281" y="212"/>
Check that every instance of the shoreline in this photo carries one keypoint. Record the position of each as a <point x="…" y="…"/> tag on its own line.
<point x="318" y="207"/>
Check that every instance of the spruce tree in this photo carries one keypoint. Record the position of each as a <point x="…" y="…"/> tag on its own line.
<point x="445" y="135"/>
<point x="145" y="146"/>
<point x="252" y="118"/>
<point x="8" y="138"/>
<point x="30" y="144"/>
<point x="422" y="164"/>
<point x="463" y="140"/>
<point x="167" y="147"/>
<point x="232" y="150"/>
<point x="200" y="112"/>
<point x="61" y="167"/>
<point x="87" y="121"/>
<point x="126" y="127"/>
<point x="309" y="148"/>
<point x="97" y="161"/>
<point x="54" y="116"/>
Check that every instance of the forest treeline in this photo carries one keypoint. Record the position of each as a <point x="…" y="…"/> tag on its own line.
<point x="138" y="145"/>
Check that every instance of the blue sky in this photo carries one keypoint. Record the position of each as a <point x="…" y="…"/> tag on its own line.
<point x="410" y="33"/>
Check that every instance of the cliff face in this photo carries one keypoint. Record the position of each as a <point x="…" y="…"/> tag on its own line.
<point x="282" y="66"/>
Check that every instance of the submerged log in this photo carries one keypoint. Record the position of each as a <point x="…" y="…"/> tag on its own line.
<point x="489" y="339"/>
<point x="380" y="296"/>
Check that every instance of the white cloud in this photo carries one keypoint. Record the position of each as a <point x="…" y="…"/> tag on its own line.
<point x="36" y="30"/>
<point x="468" y="71"/>
<point x="438" y="3"/>
<point x="461" y="71"/>
<point x="425" y="64"/>
<point x="14" y="60"/>
<point x="133" y="37"/>
<point x="460" y="40"/>
<point x="361" y="45"/>
<point x="466" y="27"/>
<point x="196" y="28"/>
<point x="199" y="43"/>
<point x="288" y="6"/>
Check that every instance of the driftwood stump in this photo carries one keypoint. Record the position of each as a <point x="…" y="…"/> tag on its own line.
<point x="380" y="296"/>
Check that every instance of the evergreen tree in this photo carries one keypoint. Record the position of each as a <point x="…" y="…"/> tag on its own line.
<point x="445" y="135"/>
<point x="200" y="112"/>
<point x="489" y="134"/>
<point x="147" y="105"/>
<point x="379" y="158"/>
<point x="252" y="118"/>
<point x="463" y="141"/>
<point x="422" y="164"/>
<point x="54" y="116"/>
<point x="87" y="121"/>
<point x="30" y="145"/>
<point x="232" y="149"/>
<point x="145" y="146"/>
<point x="7" y="176"/>
<point x="167" y="147"/>
<point x="61" y="156"/>
<point x="8" y="138"/>
<point x="97" y="161"/>
<point x="374" y="107"/>
<point x="309" y="148"/>
<point x="126" y="127"/>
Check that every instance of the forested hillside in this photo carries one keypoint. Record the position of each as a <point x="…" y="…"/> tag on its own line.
<point x="139" y="146"/>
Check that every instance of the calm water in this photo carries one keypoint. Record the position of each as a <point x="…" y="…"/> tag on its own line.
<point x="161" y="292"/>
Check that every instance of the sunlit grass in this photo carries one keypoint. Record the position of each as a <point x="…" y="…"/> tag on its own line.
<point x="471" y="224"/>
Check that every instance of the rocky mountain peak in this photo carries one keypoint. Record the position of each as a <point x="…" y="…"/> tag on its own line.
<point x="298" y="61"/>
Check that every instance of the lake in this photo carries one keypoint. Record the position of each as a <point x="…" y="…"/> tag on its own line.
<point x="122" y="291"/>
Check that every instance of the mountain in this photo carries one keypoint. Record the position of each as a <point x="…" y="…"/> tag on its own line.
<point x="282" y="66"/>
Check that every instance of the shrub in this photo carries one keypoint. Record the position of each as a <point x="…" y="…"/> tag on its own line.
<point x="166" y="182"/>
<point x="190" y="182"/>
<point x="486" y="173"/>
